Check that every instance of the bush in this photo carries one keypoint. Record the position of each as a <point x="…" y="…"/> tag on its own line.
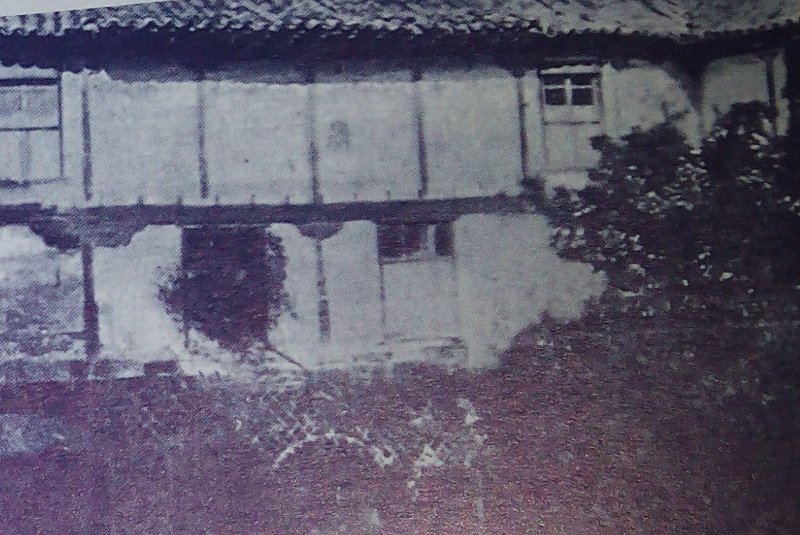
<point x="679" y="229"/>
<point x="230" y="286"/>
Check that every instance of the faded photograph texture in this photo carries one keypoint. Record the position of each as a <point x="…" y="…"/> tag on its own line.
<point x="401" y="267"/>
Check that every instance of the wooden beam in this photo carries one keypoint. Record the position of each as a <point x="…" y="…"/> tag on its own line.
<point x="417" y="210"/>
<point x="112" y="226"/>
<point x="22" y="214"/>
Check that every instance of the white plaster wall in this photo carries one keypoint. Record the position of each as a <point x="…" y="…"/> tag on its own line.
<point x="353" y="286"/>
<point x="297" y="331"/>
<point x="256" y="142"/>
<point x="503" y="277"/>
<point x="134" y="324"/>
<point x="731" y="80"/>
<point x="144" y="129"/>
<point x="144" y="141"/>
<point x="25" y="261"/>
<point x="380" y="159"/>
<point x="508" y="276"/>
<point x="471" y="127"/>
<point x="641" y="94"/>
<point x="421" y="300"/>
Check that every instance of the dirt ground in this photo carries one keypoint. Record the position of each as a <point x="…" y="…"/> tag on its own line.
<point x="575" y="434"/>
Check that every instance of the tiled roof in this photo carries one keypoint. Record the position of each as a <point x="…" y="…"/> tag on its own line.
<point x="730" y="16"/>
<point x="667" y="18"/>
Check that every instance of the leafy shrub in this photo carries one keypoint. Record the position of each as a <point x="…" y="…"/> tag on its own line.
<point x="230" y="286"/>
<point x="679" y="229"/>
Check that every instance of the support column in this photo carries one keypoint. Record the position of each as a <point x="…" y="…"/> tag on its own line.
<point x="319" y="232"/>
<point x="202" y="159"/>
<point x="87" y="139"/>
<point x="422" y="150"/>
<point x="519" y="76"/>
<point x="182" y="287"/>
<point x="323" y="309"/>
<point x="772" y="97"/>
<point x="91" y="322"/>
<point x="311" y="136"/>
<point x="61" y="162"/>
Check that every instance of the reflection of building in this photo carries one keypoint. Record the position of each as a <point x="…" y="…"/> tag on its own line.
<point x="383" y="144"/>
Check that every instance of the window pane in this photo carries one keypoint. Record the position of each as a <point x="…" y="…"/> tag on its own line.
<point x="390" y="241"/>
<point x="29" y="106"/>
<point x="399" y="241"/>
<point x="444" y="239"/>
<point x="42" y="102"/>
<point x="555" y="96"/>
<point x="582" y="79"/>
<point x="45" y="150"/>
<point x="554" y="79"/>
<point x="414" y="238"/>
<point x="10" y="102"/>
<point x="582" y="96"/>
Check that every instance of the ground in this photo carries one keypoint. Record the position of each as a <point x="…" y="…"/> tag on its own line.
<point x="583" y="430"/>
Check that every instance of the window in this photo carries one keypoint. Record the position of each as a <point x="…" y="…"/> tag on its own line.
<point x="415" y="241"/>
<point x="569" y="89"/>
<point x="572" y="116"/>
<point x="30" y="129"/>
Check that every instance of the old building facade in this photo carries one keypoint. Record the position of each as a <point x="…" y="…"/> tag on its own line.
<point x="369" y="158"/>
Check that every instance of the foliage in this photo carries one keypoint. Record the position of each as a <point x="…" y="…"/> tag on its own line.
<point x="402" y="428"/>
<point x="679" y="229"/>
<point x="36" y="319"/>
<point x="231" y="285"/>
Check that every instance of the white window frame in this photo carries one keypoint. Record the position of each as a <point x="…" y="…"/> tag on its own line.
<point x="26" y="82"/>
<point x="568" y="113"/>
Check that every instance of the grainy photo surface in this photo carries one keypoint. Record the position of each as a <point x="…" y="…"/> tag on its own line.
<point x="400" y="267"/>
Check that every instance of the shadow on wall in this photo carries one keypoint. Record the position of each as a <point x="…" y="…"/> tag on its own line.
<point x="230" y="285"/>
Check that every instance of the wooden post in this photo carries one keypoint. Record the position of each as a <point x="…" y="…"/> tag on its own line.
<point x="769" y="67"/>
<point x="311" y="137"/>
<point x="322" y="291"/>
<point x="61" y="163"/>
<point x="422" y="149"/>
<point x="87" y="140"/>
<point x="182" y="287"/>
<point x="202" y="159"/>
<point x="91" y="323"/>
<point x="519" y="75"/>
